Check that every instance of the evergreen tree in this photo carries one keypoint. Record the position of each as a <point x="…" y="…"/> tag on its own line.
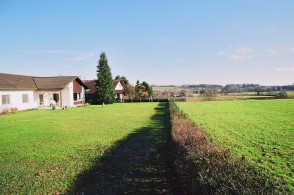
<point x="124" y="81"/>
<point x="137" y="89"/>
<point x="104" y="91"/>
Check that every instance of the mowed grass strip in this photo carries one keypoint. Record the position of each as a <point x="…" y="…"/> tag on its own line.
<point x="262" y="131"/>
<point x="42" y="151"/>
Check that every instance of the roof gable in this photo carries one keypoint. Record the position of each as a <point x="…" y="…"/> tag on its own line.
<point x="59" y="82"/>
<point x="117" y="85"/>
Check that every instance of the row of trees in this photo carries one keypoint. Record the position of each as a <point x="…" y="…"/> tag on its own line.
<point x="238" y="88"/>
<point x="104" y="91"/>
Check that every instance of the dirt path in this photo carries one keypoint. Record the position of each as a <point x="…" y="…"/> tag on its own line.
<point x="142" y="163"/>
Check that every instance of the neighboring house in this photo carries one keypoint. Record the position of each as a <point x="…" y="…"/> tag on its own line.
<point x="89" y="94"/>
<point x="118" y="90"/>
<point x="28" y="92"/>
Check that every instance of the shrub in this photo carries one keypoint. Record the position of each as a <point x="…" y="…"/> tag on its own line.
<point x="53" y="108"/>
<point x="5" y="111"/>
<point x="9" y="110"/>
<point x="281" y="94"/>
<point x="13" y="110"/>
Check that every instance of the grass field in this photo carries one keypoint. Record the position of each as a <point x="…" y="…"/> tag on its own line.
<point x="230" y="97"/>
<point x="44" y="151"/>
<point x="262" y="131"/>
<point x="290" y="93"/>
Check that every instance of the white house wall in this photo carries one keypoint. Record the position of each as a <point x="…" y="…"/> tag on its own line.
<point x="67" y="95"/>
<point x="118" y="86"/>
<point x="16" y="100"/>
<point x="47" y="96"/>
<point x="83" y="98"/>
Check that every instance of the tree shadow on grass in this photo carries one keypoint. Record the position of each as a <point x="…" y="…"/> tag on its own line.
<point x="141" y="163"/>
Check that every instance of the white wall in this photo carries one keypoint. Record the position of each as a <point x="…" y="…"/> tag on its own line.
<point x="47" y="96"/>
<point x="83" y="95"/>
<point x="67" y="95"/>
<point x="16" y="100"/>
<point x="119" y="86"/>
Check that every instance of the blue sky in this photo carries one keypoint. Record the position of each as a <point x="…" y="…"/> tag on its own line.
<point x="159" y="41"/>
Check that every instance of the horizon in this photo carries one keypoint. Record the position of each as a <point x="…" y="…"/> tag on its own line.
<point x="156" y="85"/>
<point x="160" y="42"/>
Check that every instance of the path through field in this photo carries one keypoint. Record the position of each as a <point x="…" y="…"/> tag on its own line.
<point x="139" y="164"/>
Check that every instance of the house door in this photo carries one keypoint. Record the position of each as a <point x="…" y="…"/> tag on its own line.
<point x="41" y="99"/>
<point x="56" y="98"/>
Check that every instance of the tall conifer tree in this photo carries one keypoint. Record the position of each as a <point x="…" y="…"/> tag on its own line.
<point x="104" y="91"/>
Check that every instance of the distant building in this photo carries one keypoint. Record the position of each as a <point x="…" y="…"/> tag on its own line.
<point x="90" y="93"/>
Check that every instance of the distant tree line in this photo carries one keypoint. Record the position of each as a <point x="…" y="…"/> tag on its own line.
<point x="238" y="88"/>
<point x="201" y="86"/>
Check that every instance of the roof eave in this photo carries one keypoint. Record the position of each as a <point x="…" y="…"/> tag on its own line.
<point x="19" y="89"/>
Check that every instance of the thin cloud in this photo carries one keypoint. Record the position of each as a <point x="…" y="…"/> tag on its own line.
<point x="274" y="52"/>
<point x="238" y="54"/>
<point x="280" y="50"/>
<point x="81" y="56"/>
<point x="223" y="53"/>
<point x="178" y="60"/>
<point x="287" y="69"/>
<point x="76" y="55"/>
<point x="247" y="53"/>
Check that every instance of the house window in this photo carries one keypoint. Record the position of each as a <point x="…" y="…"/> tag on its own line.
<point x="25" y="98"/>
<point x="5" y="99"/>
<point x="76" y="96"/>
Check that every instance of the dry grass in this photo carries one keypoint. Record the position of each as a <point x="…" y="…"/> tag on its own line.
<point x="206" y="168"/>
<point x="8" y="111"/>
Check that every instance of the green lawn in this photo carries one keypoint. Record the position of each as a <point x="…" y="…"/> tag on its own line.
<point x="261" y="130"/>
<point x="43" y="151"/>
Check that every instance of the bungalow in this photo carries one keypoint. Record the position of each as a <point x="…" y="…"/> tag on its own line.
<point x="118" y="90"/>
<point x="28" y="92"/>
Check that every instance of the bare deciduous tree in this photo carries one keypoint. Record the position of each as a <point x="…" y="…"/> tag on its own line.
<point x="209" y="93"/>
